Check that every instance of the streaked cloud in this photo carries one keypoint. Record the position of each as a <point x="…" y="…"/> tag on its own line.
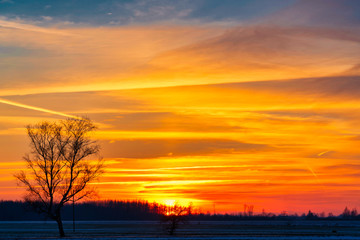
<point x="5" y="23"/>
<point x="342" y="13"/>
<point x="152" y="148"/>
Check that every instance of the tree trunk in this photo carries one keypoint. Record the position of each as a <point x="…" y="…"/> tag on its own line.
<point x="60" y="225"/>
<point x="173" y="226"/>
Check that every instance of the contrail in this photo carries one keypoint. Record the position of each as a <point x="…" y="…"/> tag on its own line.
<point x="312" y="171"/>
<point x="37" y="108"/>
<point x="322" y="153"/>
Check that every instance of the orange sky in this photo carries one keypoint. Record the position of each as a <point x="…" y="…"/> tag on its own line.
<point x="222" y="114"/>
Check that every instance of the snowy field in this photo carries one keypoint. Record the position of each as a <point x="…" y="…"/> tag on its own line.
<point x="254" y="230"/>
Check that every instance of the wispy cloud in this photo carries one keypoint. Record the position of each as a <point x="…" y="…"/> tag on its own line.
<point x="20" y="25"/>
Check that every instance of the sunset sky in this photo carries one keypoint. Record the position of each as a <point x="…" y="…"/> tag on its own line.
<point x="219" y="103"/>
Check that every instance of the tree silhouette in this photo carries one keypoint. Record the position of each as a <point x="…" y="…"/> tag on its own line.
<point x="172" y="216"/>
<point x="58" y="169"/>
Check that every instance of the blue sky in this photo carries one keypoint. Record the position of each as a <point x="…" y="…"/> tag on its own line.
<point x="141" y="12"/>
<point x="111" y="12"/>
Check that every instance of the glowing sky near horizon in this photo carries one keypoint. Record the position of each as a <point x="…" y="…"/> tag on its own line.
<point x="219" y="103"/>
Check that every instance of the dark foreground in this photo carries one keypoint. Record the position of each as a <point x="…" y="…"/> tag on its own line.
<point x="294" y="230"/>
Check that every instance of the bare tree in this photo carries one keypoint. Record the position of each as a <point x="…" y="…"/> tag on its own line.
<point x="58" y="168"/>
<point x="173" y="216"/>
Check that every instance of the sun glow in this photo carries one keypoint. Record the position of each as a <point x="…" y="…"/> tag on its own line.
<point x="169" y="202"/>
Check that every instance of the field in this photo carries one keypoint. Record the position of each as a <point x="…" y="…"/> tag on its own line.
<point x="256" y="230"/>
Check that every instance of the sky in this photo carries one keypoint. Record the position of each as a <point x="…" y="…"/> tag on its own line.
<point x="219" y="103"/>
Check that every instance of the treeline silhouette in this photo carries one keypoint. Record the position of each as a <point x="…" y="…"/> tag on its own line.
<point x="143" y="210"/>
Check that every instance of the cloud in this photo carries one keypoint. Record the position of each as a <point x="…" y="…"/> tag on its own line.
<point x="62" y="62"/>
<point x="156" y="55"/>
<point x="19" y="24"/>
<point x="165" y="121"/>
<point x="344" y="13"/>
<point x="354" y="70"/>
<point x="153" y="148"/>
<point x="329" y="87"/>
<point x="47" y="18"/>
<point x="168" y="56"/>
<point x="343" y="167"/>
<point x="253" y="53"/>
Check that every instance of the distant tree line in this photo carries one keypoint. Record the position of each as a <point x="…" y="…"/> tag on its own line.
<point x="143" y="210"/>
<point x="87" y="211"/>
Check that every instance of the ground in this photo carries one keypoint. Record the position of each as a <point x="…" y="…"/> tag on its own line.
<point x="244" y="230"/>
